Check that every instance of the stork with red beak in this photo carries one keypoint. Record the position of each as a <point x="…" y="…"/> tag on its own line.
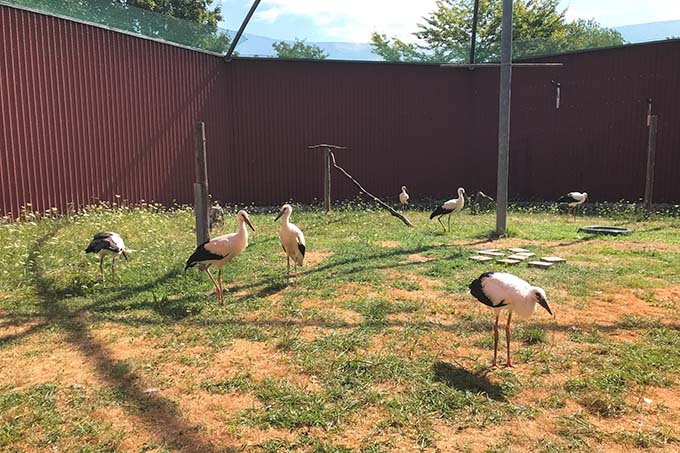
<point x="292" y="239"/>
<point x="221" y="250"/>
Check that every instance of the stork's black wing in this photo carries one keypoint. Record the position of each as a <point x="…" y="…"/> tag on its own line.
<point x="439" y="211"/>
<point x="201" y="254"/>
<point x="477" y="290"/>
<point x="102" y="241"/>
<point x="567" y="199"/>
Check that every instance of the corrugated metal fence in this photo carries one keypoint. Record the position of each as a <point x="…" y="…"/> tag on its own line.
<point x="88" y="114"/>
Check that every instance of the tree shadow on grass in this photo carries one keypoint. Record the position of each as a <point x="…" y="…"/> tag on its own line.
<point x="464" y="380"/>
<point x="158" y="414"/>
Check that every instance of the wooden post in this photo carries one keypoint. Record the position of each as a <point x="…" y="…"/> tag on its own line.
<point x="201" y="187"/>
<point x="651" y="160"/>
<point x="327" y="165"/>
<point x="327" y="180"/>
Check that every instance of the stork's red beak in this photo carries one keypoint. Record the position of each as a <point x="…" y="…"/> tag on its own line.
<point x="278" y="216"/>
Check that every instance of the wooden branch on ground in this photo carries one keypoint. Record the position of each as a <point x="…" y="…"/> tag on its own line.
<point x="401" y="217"/>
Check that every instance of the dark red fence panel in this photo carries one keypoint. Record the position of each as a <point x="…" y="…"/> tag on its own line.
<point x="88" y="114"/>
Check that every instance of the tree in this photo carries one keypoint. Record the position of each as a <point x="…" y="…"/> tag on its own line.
<point x="195" y="25"/>
<point x="539" y="27"/>
<point x="299" y="50"/>
<point x="189" y="22"/>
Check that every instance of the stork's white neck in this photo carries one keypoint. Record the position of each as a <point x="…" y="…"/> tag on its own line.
<point x="242" y="227"/>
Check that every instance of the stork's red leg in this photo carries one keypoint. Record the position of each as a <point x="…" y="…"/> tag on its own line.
<point x="507" y="339"/>
<point x="219" y="280"/>
<point x="495" y="341"/>
<point x="217" y="288"/>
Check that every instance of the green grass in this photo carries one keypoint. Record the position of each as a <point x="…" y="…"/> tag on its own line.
<point x="374" y="347"/>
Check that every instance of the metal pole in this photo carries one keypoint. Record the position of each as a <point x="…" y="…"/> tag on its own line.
<point x="201" y="187"/>
<point x="227" y="56"/>
<point x="473" y="39"/>
<point x="651" y="160"/>
<point x="327" y="180"/>
<point x="504" y="120"/>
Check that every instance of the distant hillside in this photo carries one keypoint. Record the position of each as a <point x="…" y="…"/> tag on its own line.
<point x="652" y="31"/>
<point x="261" y="46"/>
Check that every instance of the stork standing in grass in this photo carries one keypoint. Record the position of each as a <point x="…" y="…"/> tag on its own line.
<point x="573" y="200"/>
<point x="292" y="239"/>
<point x="107" y="244"/>
<point x="403" y="196"/>
<point x="221" y="250"/>
<point x="449" y="207"/>
<point x="502" y="291"/>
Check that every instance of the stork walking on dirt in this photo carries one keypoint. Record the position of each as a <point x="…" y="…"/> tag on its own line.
<point x="448" y="207"/>
<point x="292" y="239"/>
<point x="502" y="291"/>
<point x="221" y="250"/>
<point x="107" y="244"/>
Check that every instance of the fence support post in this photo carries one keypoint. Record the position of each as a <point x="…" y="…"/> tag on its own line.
<point x="651" y="161"/>
<point x="201" y="186"/>
<point x="504" y="119"/>
<point x="327" y="180"/>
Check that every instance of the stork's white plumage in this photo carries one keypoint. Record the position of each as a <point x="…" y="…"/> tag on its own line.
<point x="574" y="199"/>
<point x="221" y="250"/>
<point x="292" y="239"/>
<point x="502" y="291"/>
<point x="403" y="196"/>
<point x="448" y="207"/>
<point x="107" y="244"/>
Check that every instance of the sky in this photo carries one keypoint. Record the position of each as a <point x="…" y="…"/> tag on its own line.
<point x="355" y="20"/>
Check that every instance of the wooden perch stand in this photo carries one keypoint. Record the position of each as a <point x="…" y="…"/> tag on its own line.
<point x="329" y="159"/>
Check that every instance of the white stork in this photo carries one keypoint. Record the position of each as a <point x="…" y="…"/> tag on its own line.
<point x="107" y="244"/>
<point x="502" y="291"/>
<point x="448" y="207"/>
<point x="292" y="239"/>
<point x="403" y="196"/>
<point x="221" y="250"/>
<point x="573" y="199"/>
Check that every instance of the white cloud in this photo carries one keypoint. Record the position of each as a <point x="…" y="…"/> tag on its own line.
<point x="353" y="20"/>
<point x="612" y="13"/>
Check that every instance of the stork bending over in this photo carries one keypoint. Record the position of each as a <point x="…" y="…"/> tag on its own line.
<point x="221" y="250"/>
<point x="573" y="200"/>
<point x="107" y="244"/>
<point x="502" y="291"/>
<point x="292" y="239"/>
<point x="448" y="207"/>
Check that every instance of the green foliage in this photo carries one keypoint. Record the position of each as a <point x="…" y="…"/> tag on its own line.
<point x="539" y="27"/>
<point x="188" y="22"/>
<point x="299" y="50"/>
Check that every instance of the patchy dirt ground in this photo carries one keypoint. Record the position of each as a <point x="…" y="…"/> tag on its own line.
<point x="390" y="355"/>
